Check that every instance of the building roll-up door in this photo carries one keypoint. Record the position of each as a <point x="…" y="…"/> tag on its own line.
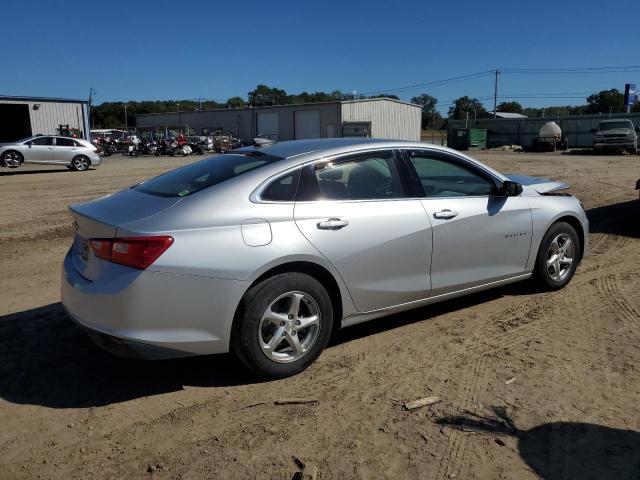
<point x="268" y="125"/>
<point x="15" y="122"/>
<point x="307" y="124"/>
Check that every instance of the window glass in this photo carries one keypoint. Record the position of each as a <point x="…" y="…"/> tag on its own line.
<point x="65" y="142"/>
<point x="441" y="178"/>
<point x="42" y="141"/>
<point x="283" y="189"/>
<point x="372" y="177"/>
<point x="204" y="174"/>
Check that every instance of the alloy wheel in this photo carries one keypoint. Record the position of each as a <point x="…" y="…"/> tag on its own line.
<point x="12" y="159"/>
<point x="560" y="257"/>
<point x="81" y="163"/>
<point x="289" y="327"/>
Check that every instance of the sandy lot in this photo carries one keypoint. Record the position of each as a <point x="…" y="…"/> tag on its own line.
<point x="69" y="410"/>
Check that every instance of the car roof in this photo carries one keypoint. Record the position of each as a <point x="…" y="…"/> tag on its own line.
<point x="295" y="148"/>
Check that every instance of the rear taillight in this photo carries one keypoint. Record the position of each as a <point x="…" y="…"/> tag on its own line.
<point x="136" y="252"/>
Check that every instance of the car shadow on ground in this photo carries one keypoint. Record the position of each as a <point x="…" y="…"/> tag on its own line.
<point x="18" y="171"/>
<point x="617" y="219"/>
<point x="562" y="450"/>
<point x="45" y="359"/>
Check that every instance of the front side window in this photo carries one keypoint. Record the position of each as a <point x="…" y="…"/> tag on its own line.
<point x="65" y="142"/>
<point x="366" y="177"/>
<point x="443" y="178"/>
<point x="42" y="141"/>
<point x="204" y="174"/>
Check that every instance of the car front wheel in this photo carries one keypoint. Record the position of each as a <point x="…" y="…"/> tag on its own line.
<point x="283" y="325"/>
<point x="558" y="256"/>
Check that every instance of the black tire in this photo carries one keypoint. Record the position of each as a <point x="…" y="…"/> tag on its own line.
<point x="542" y="275"/>
<point x="80" y="163"/>
<point x="246" y="332"/>
<point x="12" y="159"/>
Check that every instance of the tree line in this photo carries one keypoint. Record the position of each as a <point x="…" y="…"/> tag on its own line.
<point x="112" y="114"/>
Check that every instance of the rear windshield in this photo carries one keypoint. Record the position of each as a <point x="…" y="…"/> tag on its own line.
<point x="204" y="174"/>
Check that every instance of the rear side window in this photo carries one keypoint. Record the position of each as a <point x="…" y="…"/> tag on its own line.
<point x="65" y="142"/>
<point x="282" y="189"/>
<point x="372" y="176"/>
<point x="204" y="174"/>
<point x="42" y="141"/>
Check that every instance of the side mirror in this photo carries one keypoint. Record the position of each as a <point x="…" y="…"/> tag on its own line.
<point x="510" y="189"/>
<point x="593" y="130"/>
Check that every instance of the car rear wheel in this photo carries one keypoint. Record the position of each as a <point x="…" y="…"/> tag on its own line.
<point x="558" y="256"/>
<point x="12" y="159"/>
<point x="283" y="325"/>
<point x="80" y="163"/>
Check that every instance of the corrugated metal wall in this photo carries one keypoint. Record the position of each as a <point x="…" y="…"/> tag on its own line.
<point x="389" y="118"/>
<point x="242" y="121"/>
<point x="50" y="115"/>
<point x="522" y="131"/>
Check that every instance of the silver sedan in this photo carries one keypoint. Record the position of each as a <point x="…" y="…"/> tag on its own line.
<point x="73" y="153"/>
<point x="266" y="251"/>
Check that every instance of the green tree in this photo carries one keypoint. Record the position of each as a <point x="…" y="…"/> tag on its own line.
<point x="509" y="107"/>
<point x="235" y="102"/>
<point x="466" y="105"/>
<point x="264" y="96"/>
<point x="606" y="101"/>
<point x="430" y="116"/>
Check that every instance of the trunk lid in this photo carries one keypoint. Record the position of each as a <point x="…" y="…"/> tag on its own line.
<point x="101" y="219"/>
<point x="540" y="185"/>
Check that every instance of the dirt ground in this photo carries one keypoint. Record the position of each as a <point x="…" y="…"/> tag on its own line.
<point x="532" y="384"/>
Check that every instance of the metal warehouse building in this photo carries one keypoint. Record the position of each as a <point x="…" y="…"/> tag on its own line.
<point x="522" y="131"/>
<point x="378" y="118"/>
<point x="21" y="117"/>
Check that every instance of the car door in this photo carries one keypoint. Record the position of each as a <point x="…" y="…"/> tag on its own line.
<point x="478" y="236"/>
<point x="39" y="150"/>
<point x="354" y="211"/>
<point x="65" y="149"/>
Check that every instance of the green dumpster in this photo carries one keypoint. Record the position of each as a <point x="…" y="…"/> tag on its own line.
<point x="468" y="139"/>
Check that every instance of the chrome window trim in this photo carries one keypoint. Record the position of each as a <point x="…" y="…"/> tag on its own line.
<point x="255" y="196"/>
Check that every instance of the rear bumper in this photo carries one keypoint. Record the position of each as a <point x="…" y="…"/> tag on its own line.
<point x="146" y="314"/>
<point x="96" y="160"/>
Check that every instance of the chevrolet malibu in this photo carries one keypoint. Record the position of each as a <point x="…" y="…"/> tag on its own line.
<point x="266" y="251"/>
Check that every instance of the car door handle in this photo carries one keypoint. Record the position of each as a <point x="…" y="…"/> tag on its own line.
<point x="445" y="214"/>
<point x="333" y="223"/>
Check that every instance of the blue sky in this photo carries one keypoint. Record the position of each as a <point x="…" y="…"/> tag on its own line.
<point x="140" y="50"/>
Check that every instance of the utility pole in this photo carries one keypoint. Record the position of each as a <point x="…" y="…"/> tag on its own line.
<point x="92" y="92"/>
<point x="125" y="117"/>
<point x="495" y="93"/>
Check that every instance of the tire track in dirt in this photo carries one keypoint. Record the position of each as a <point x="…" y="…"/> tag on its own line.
<point x="473" y="381"/>
<point x="454" y="459"/>
<point x="609" y="289"/>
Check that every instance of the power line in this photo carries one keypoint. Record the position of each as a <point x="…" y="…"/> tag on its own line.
<point x="445" y="81"/>
<point x="572" y="70"/>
